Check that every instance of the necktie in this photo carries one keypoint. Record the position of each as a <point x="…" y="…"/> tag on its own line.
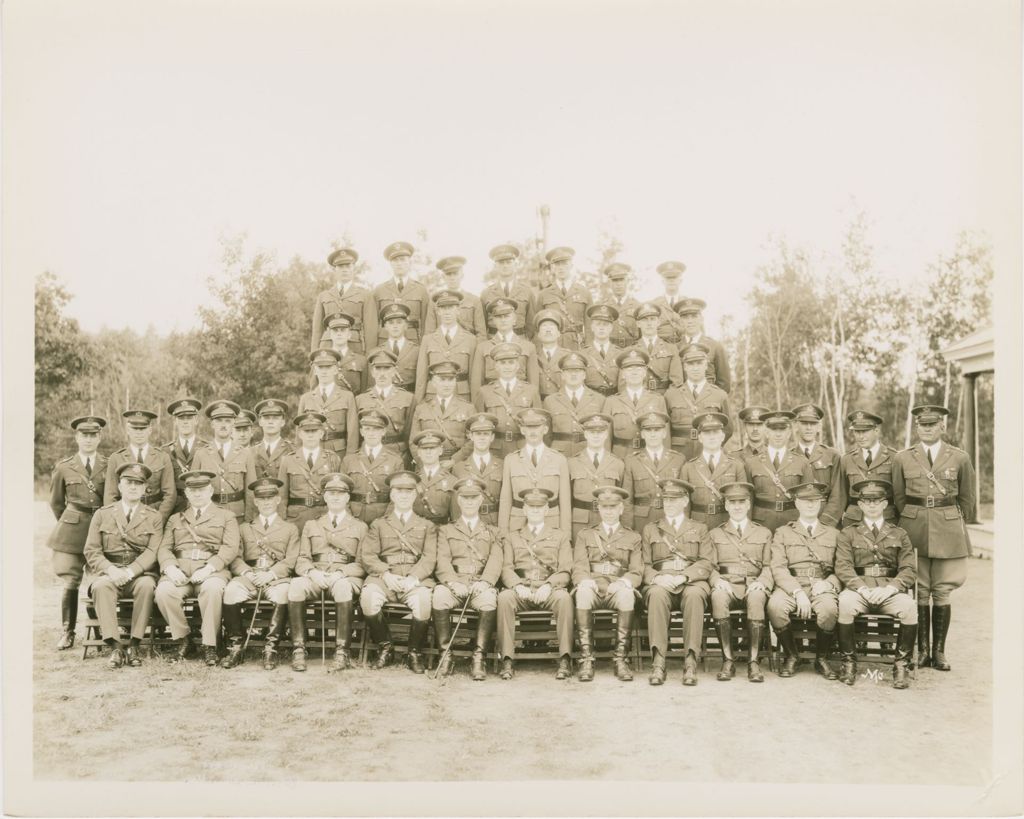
<point x="266" y="524"/>
<point x="874" y="530"/>
<point x="575" y="400"/>
<point x="694" y="392"/>
<point x="444" y="405"/>
<point x="776" y="462"/>
<point x="401" y="285"/>
<point x="636" y="400"/>
<point x="370" y="456"/>
<point x="548" y="354"/>
<point x="867" y="457"/>
<point x="334" y="522"/>
<point x="508" y="290"/>
<point x="223" y="455"/>
<point x="930" y="461"/>
<point x="807" y="453"/>
<point x="138" y="457"/>
<point x="185" y="450"/>
<point x="128" y="515"/>
<point x="650" y="346"/>
<point x="309" y="460"/>
<point x="508" y="389"/>
<point x="565" y="292"/>
<point x="394" y="347"/>
<point x="323" y="395"/>
<point x="534" y="531"/>
<point x="533" y="457"/>
<point x="88" y="467"/>
<point x="448" y="337"/>
<point x="810" y="531"/>
<point x="479" y="465"/>
<point x="711" y="464"/>
<point x="656" y="460"/>
<point x="739" y="530"/>
<point x="597" y="461"/>
<point x="197" y="516"/>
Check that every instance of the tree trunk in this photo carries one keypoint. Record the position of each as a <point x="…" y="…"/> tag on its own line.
<point x="910" y="418"/>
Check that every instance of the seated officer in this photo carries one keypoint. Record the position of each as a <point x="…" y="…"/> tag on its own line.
<point x="594" y="466"/>
<point x="803" y="560"/>
<point x="502" y="313"/>
<point x="469" y="559"/>
<point x="678" y="559"/>
<point x="532" y="466"/>
<point x="481" y="464"/>
<point x="327" y="561"/>
<point x="645" y="469"/>
<point x="334" y="402"/>
<point x="569" y="404"/>
<point x="823" y="459"/>
<point x="449" y="344"/>
<point x="607" y="569"/>
<point x="602" y="375"/>
<point x="351" y="373"/>
<point x="224" y="458"/>
<point x="663" y="367"/>
<point x="697" y="395"/>
<point x="263" y="566"/>
<point x="774" y="471"/>
<point x="399" y="554"/>
<point x="369" y="468"/>
<point x="197" y="548"/>
<point x="742" y="577"/>
<point x="549" y="353"/>
<point x="710" y="470"/>
<point x="396" y="404"/>
<point x="505" y="398"/>
<point x="630" y="402"/>
<point x="433" y="498"/>
<point x="876" y="565"/>
<point x="444" y="412"/>
<point x="302" y="470"/>
<point x="535" y="573"/>
<point x="120" y="551"/>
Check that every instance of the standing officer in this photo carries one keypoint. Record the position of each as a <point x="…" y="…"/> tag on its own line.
<point x="774" y="471"/>
<point x="670" y="326"/>
<point x="678" y="559"/>
<point x="507" y="286"/>
<point x="692" y="320"/>
<point x="197" y="548"/>
<point x="245" y="421"/>
<point x="601" y="354"/>
<point x="481" y="464"/>
<point x="803" y="566"/>
<point x="693" y="397"/>
<point x="345" y="297"/>
<point x="396" y="404"/>
<point x="630" y="402"/>
<point x="710" y="470"/>
<point x="549" y="353"/>
<point x="470" y="554"/>
<point x="646" y="468"/>
<point x="369" y="467"/>
<point x="870" y="458"/>
<point x="592" y="467"/>
<point x="449" y="343"/>
<point x="263" y="566"/>
<point x="823" y="459"/>
<point x="624" y="332"/>
<point x="753" y="429"/>
<point x="351" y="364"/>
<point x="264" y="459"/>
<point x="399" y="554"/>
<point x="302" y="470"/>
<point x="742" y="577"/>
<point x="401" y="289"/>
<point x="433" y="498"/>
<point x="571" y="402"/>
<point x="181" y="450"/>
<point x="566" y="297"/>
<point x="120" y="551"/>
<point x="470" y="310"/>
<point x="607" y="570"/>
<point x="535" y="572"/>
<point x="532" y="466"/>
<point x="505" y="397"/>
<point x="160" y="491"/>
<point x="334" y="402"/>
<point x="663" y="366"/>
<point x="485" y="366"/>
<point x="327" y="561"/>
<point x="875" y="563"/>
<point x="76" y="492"/>
<point x="394" y="319"/>
<point x="226" y="461"/>
<point x="443" y="412"/>
<point x="934" y="488"/>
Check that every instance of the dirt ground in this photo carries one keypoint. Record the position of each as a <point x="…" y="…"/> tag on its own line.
<point x="206" y="724"/>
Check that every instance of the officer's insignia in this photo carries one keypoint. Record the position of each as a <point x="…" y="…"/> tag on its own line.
<point x="444" y="484"/>
<point x="950" y="474"/>
<point x="859" y="416"/>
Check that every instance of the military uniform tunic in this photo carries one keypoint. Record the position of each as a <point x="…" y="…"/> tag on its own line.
<point x="160" y="491"/>
<point x="566" y="431"/>
<point x="741" y="560"/>
<point x="273" y="550"/>
<point x="670" y="327"/>
<point x="824" y="461"/>
<point x="571" y="304"/>
<point x="261" y="463"/>
<point x="436" y="349"/>
<point x="467" y="557"/>
<point x="449" y="422"/>
<point x="352" y="371"/>
<point x="494" y="399"/>
<point x="413" y="295"/>
<point x="624" y="411"/>
<point x="799" y="561"/>
<point x="773" y="505"/>
<point x="718" y="361"/>
<point x="229" y="483"/>
<point x="490" y="474"/>
<point x="74" y="498"/>
<point x="352" y="300"/>
<point x="182" y="463"/>
<point x="470" y="316"/>
<point x="341" y="434"/>
<point x="583" y="477"/>
<point x="333" y="550"/>
<point x="841" y="509"/>
<point x="434" y="496"/>
<point x="398" y="405"/>
<point x="604" y="559"/>
<point x="551" y="472"/>
<point x="865" y="559"/>
<point x="683" y="406"/>
<point x="624" y="329"/>
<point x="301" y="498"/>
<point x="602" y="369"/>
<point x="707" y="505"/>
<point x="640" y="478"/>
<point x="521" y="294"/>
<point x="403" y="549"/>
<point x="549" y="372"/>
<point x="484" y="371"/>
<point x="370" y="495"/>
<point x="664" y="368"/>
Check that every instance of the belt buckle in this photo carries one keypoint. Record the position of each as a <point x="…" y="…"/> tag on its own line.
<point x="693" y="433"/>
<point x="652" y="384"/>
<point x="656" y="503"/>
<point x="594" y="505"/>
<point x="195" y="555"/>
<point x="331" y="557"/>
<point x="712" y="509"/>
<point x="577" y="437"/>
<point x="780" y="506"/>
<point x="636" y="442"/>
<point x="509" y="436"/>
<point x="929" y="502"/>
<point x="261" y="562"/>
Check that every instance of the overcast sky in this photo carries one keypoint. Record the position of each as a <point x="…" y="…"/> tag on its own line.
<point x="137" y="134"/>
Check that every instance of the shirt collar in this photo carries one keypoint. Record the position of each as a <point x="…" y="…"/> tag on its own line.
<point x="191" y="442"/>
<point x="878" y="523"/>
<point x="430" y="472"/>
<point x="576" y="393"/>
<point x="610" y="530"/>
<point x="677" y="522"/>
<point x="307" y="452"/>
<point x="268" y="521"/>
<point x="453" y="330"/>
<point x="873" y="450"/>
<point x="591" y="453"/>
<point x="745" y="523"/>
<point x="813" y="524"/>
<point x="471" y="524"/>
<point x="328" y="388"/>
<point x="651" y="453"/>
<point x="374" y="451"/>
<point x="403" y="516"/>
<point x="699" y="386"/>
<point x="484" y="459"/>
<point x="86" y="458"/>
<point x="772" y="452"/>
<point x="339" y="517"/>
<point x="634" y="394"/>
<point x="539" y="449"/>
<point x="510" y="384"/>
<point x="126" y="508"/>
<point x="386" y="392"/>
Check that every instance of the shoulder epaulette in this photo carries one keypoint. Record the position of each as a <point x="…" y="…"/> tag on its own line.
<point x="65" y="460"/>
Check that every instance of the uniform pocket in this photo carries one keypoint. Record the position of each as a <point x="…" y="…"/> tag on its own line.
<point x="71" y="516"/>
<point x="951" y="513"/>
<point x="909" y="512"/>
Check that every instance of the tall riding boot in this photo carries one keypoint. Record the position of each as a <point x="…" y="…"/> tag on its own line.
<point x="275" y="631"/>
<point x="723" y="628"/>
<point x="904" y="649"/>
<point x="790" y="656"/>
<point x="342" y="637"/>
<point x="623" y="642"/>
<point x="484" y="630"/>
<point x="823" y="647"/>
<point x="940" y="628"/>
<point x="232" y="618"/>
<point x="755" y="633"/>
<point x="297" y="621"/>
<point x="381" y="635"/>
<point x="585" y="632"/>
<point x="68" y="618"/>
<point x="442" y="634"/>
<point x="848" y="674"/>
<point x="417" y="639"/>
<point x="924" y="635"/>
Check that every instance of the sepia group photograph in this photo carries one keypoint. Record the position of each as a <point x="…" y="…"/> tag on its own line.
<point x="512" y="409"/>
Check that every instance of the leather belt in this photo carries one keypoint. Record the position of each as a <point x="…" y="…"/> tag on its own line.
<point x="812" y="571"/>
<point x="552" y="504"/>
<point x="414" y="323"/>
<point x="931" y="501"/>
<point x="509" y="435"/>
<point x="471" y="567"/>
<point x="155" y="497"/>
<point x="460" y="376"/>
<point x="590" y="506"/>
<point x="684" y="432"/>
<point x="635" y="442"/>
<point x="605" y="390"/>
<point x="228" y="497"/>
<point x="572" y="437"/>
<point x="294" y="500"/>
<point x="608" y="569"/>
<point x="674" y="563"/>
<point x="655" y="384"/>
<point x="647" y="500"/>
<point x="710" y="509"/>
<point x="487" y="508"/>
<point x="81" y="507"/>
<point x="335" y="435"/>
<point x="876" y="571"/>
<point x="120" y="558"/>
<point x="776" y="505"/>
<point x="439" y="520"/>
<point x="736" y="570"/>
<point x="333" y="557"/>
<point x="370" y="497"/>
<point x="400" y="560"/>
<point x="392" y="438"/>
<point x="192" y="554"/>
<point x="532" y="574"/>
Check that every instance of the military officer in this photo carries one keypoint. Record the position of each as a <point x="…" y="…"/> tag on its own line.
<point x="570" y="403"/>
<point x="507" y="286"/>
<point x="774" y="471"/>
<point x="592" y="467"/>
<point x="182" y="449"/>
<point x="934" y="490"/>
<point x="535" y="571"/>
<point x="399" y="554"/>
<point x="197" y="547"/>
<point x="670" y="326"/>
<point x="470" y="310"/>
<point x="631" y="401"/>
<point x="400" y="289"/>
<point x="870" y="458"/>
<point x="263" y="567"/>
<point x="663" y="366"/>
<point x="505" y="398"/>
<point x="328" y="562"/>
<point x="646" y="468"/>
<point x="160" y="491"/>
<point x="433" y="499"/>
<point x="302" y="470"/>
<point x="741" y="577"/>
<point x="607" y="570"/>
<point x="449" y="343"/>
<point x="406" y="353"/>
<point x="480" y="463"/>
<point x="443" y="412"/>
<point x="396" y="404"/>
<point x="225" y="460"/>
<point x="710" y="470"/>
<point x="264" y="459"/>
<point x="678" y="559"/>
<point x="485" y="366"/>
<point x="76" y="492"/>
<point x="241" y="436"/>
<point x="565" y="296"/>
<point x="369" y="468"/>
<point x="470" y="554"/>
<point x="803" y="567"/>
<point x="549" y="352"/>
<point x="351" y="363"/>
<point x="624" y="332"/>
<point x="345" y="297"/>
<point x="601" y="354"/>
<point x="695" y="396"/>
<point x="753" y="429"/>
<point x="692" y="320"/>
<point x="823" y="459"/>
<point x="334" y="402"/>
<point x="532" y="466"/>
<point x="875" y="563"/>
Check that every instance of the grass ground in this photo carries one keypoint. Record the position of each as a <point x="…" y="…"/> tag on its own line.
<point x="187" y="722"/>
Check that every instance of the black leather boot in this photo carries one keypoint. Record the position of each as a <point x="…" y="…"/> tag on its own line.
<point x="823" y="647"/>
<point x="484" y="630"/>
<point x="585" y="632"/>
<point x="904" y="649"/>
<point x="232" y="619"/>
<point x="755" y="633"/>
<point x="442" y="634"/>
<point x="657" y="675"/>
<point x="790" y="657"/>
<point x="297" y="621"/>
<point x="417" y="639"/>
<point x="940" y="628"/>
<point x="564" y="670"/>
<point x="507" y="669"/>
<point x="381" y="635"/>
<point x="924" y="635"/>
<point x="68" y="618"/>
<point x="690" y="669"/>
<point x="623" y="643"/>
<point x="275" y="631"/>
<point x="342" y="637"/>
<point x="723" y="628"/>
<point x="848" y="674"/>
